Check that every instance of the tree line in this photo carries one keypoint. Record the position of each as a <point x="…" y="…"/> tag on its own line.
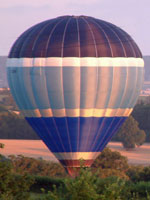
<point x="108" y="163"/>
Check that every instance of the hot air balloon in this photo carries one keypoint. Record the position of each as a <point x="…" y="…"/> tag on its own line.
<point x="76" y="80"/>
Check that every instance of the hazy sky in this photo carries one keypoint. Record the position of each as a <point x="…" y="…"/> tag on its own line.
<point x="131" y="15"/>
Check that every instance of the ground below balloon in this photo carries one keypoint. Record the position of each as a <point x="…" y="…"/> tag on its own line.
<point x="37" y="149"/>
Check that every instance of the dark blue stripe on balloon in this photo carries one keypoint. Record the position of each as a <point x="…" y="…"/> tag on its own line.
<point x="117" y="126"/>
<point x="83" y="134"/>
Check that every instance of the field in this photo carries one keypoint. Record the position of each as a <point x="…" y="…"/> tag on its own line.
<point x="37" y="149"/>
<point x="137" y="156"/>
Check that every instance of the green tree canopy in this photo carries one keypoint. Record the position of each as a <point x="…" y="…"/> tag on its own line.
<point x="130" y="134"/>
<point x="111" y="160"/>
<point x="111" y="163"/>
<point x="13" y="187"/>
<point x="141" y="114"/>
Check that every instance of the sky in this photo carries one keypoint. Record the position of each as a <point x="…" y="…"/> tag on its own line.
<point x="16" y="16"/>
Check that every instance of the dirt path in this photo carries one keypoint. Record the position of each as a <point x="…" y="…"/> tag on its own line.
<point x="37" y="149"/>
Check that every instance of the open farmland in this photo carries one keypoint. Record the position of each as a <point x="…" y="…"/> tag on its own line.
<point x="37" y="149"/>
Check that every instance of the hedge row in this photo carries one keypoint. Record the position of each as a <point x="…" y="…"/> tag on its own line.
<point x="44" y="182"/>
<point x="142" y="189"/>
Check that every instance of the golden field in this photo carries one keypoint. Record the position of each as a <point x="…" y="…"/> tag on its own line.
<point x="37" y="149"/>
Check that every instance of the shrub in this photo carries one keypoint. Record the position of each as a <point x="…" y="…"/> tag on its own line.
<point x="139" y="173"/>
<point x="142" y="189"/>
<point x="46" y="183"/>
<point x="87" y="186"/>
<point x="37" y="167"/>
<point x="13" y="187"/>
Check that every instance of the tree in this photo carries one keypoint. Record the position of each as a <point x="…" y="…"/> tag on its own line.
<point x="13" y="187"/>
<point x="82" y="187"/>
<point x="130" y="135"/>
<point x="88" y="186"/>
<point x="109" y="159"/>
<point x="32" y="166"/>
<point x="140" y="138"/>
<point x="111" y="163"/>
<point x="141" y="114"/>
<point x="139" y="173"/>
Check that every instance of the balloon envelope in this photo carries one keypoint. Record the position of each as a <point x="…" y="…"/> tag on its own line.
<point x="75" y="79"/>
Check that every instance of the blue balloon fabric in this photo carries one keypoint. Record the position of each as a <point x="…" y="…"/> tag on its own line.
<point x="76" y="79"/>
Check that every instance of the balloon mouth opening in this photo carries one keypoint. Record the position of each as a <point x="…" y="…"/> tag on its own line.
<point x="74" y="170"/>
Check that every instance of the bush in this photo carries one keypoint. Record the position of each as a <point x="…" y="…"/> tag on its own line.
<point x="13" y="187"/>
<point x="37" y="167"/>
<point x="113" y="188"/>
<point x="46" y="183"/>
<point x="109" y="159"/>
<point x="130" y="134"/>
<point x="87" y="186"/>
<point x="142" y="189"/>
<point x="111" y="163"/>
<point x="139" y="173"/>
<point x="104" y="173"/>
<point x="82" y="187"/>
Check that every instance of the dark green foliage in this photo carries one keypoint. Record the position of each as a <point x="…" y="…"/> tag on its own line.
<point x="139" y="173"/>
<point x="112" y="184"/>
<point x="87" y="186"/>
<point x="130" y="135"/>
<point x="142" y="189"/>
<point x="134" y="173"/>
<point x="15" y="127"/>
<point x="111" y="160"/>
<point x="38" y="167"/>
<point x="140" y="138"/>
<point x="45" y="182"/>
<point x="113" y="188"/>
<point x="141" y="114"/>
<point x="108" y="163"/>
<point x="13" y="187"/>
<point x="82" y="187"/>
<point x="111" y="163"/>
